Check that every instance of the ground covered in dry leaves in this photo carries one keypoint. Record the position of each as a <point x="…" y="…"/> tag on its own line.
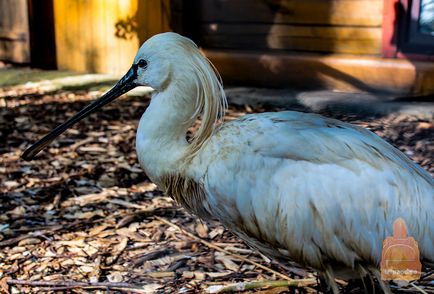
<point x="84" y="211"/>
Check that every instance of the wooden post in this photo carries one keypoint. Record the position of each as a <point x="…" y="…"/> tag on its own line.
<point x="42" y="40"/>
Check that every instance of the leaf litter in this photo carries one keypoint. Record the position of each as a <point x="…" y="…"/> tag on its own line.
<point x="84" y="211"/>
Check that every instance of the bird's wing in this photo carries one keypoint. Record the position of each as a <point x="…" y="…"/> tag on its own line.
<point x="317" y="139"/>
<point x="315" y="187"/>
<point x="313" y="138"/>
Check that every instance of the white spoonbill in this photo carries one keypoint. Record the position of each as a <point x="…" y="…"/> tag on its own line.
<point x="296" y="186"/>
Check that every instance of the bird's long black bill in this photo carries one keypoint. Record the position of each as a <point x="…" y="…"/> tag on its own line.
<point x="124" y="85"/>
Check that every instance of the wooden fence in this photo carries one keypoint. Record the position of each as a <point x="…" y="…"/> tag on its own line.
<point x="14" y="31"/>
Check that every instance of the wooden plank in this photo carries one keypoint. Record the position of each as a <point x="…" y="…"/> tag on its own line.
<point x="104" y="36"/>
<point x="128" y="44"/>
<point x="294" y="44"/>
<point x="337" y="33"/>
<point x="82" y="37"/>
<point x="14" y="31"/>
<point x="74" y="22"/>
<point x="322" y="12"/>
<point x="12" y="35"/>
<point x="354" y="40"/>
<point x="337" y="72"/>
<point x="68" y="36"/>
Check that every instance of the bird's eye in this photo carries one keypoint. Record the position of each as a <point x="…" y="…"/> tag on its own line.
<point x="142" y="63"/>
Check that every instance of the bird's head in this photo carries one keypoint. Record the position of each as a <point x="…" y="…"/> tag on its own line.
<point x="163" y="57"/>
<point x="160" y="60"/>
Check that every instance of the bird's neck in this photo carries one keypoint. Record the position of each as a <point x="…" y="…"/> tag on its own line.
<point x="162" y="147"/>
<point x="161" y="136"/>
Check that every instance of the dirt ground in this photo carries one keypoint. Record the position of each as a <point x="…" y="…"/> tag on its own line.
<point x="84" y="211"/>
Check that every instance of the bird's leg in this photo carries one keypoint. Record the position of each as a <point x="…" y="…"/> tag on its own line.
<point x="327" y="284"/>
<point x="367" y="283"/>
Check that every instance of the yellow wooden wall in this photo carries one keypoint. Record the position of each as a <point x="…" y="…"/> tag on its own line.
<point x="104" y="35"/>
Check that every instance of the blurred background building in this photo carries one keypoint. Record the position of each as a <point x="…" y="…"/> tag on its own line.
<point x="346" y="45"/>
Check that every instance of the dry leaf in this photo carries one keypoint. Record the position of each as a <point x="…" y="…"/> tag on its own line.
<point x="115" y="277"/>
<point x="98" y="229"/>
<point x="29" y="241"/>
<point x="199" y="275"/>
<point x="227" y="261"/>
<point x="188" y="275"/>
<point x="202" y="230"/>
<point x="118" y="248"/>
<point x="152" y="288"/>
<point x="84" y="215"/>
<point x="161" y="274"/>
<point x="4" y="287"/>
<point x="216" y="232"/>
<point x="215" y="275"/>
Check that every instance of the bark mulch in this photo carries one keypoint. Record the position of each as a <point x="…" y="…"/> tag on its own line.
<point x="83" y="217"/>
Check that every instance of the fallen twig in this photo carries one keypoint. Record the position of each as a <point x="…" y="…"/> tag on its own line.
<point x="65" y="285"/>
<point x="418" y="288"/>
<point x="40" y="233"/>
<point x="215" y="247"/>
<point x="245" y="286"/>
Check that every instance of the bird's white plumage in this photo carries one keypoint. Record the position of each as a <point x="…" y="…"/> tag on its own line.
<point x="297" y="186"/>
<point x="319" y="189"/>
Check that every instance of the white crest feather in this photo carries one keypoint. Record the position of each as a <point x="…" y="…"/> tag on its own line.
<point x="210" y="103"/>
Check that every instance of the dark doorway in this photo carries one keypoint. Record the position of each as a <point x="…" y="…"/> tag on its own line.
<point x="42" y="36"/>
